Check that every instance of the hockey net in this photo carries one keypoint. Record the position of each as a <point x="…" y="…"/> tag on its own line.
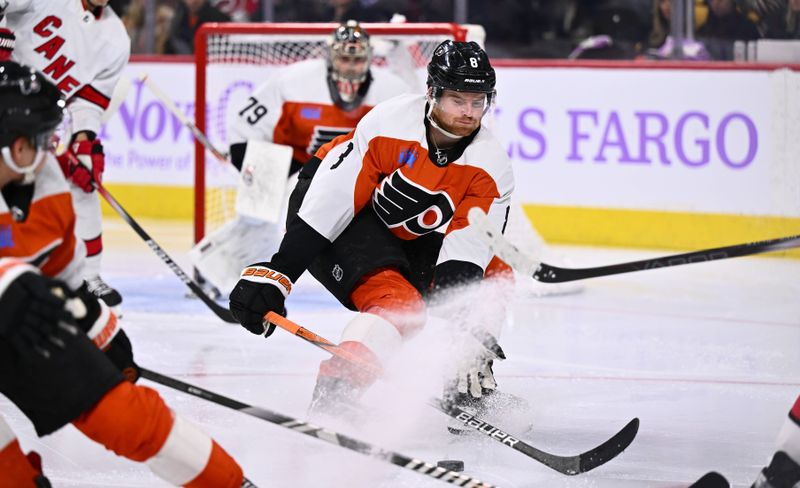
<point x="234" y="59"/>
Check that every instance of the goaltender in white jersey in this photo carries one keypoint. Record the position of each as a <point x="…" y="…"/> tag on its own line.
<point x="82" y="47"/>
<point x="284" y="122"/>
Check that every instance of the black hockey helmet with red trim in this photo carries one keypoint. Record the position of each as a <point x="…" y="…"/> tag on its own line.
<point x="461" y="66"/>
<point x="30" y="106"/>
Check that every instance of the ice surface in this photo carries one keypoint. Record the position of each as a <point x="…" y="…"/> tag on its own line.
<point x="705" y="355"/>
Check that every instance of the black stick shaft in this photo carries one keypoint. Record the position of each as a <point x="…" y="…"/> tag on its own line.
<point x="219" y="310"/>
<point x="326" y="435"/>
<point x="553" y="274"/>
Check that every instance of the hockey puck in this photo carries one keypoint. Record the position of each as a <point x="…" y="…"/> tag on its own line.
<point x="451" y="464"/>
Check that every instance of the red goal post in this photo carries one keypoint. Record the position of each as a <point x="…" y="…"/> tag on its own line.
<point x="230" y="53"/>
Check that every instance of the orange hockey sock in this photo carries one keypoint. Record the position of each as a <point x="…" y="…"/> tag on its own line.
<point x="134" y="422"/>
<point x="16" y="471"/>
<point x="221" y="470"/>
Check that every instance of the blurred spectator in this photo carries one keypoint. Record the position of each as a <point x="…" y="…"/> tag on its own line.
<point x="726" y="24"/>
<point x="189" y="15"/>
<point x="661" y="16"/>
<point x="779" y="19"/>
<point x="726" y="21"/>
<point x="360" y="10"/>
<point x="239" y="10"/>
<point x="133" y="19"/>
<point x="793" y="20"/>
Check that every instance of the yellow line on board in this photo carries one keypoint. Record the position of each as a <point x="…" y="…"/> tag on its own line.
<point x="556" y="224"/>
<point x="654" y="229"/>
<point x="152" y="201"/>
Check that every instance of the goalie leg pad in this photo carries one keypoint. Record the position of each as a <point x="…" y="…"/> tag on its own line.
<point x="221" y="255"/>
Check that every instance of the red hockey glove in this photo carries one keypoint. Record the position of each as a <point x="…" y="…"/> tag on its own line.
<point x="83" y="163"/>
<point x="261" y="289"/>
<point x="7" y="39"/>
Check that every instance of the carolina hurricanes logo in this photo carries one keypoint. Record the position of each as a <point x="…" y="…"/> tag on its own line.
<point x="401" y="202"/>
<point x="323" y="135"/>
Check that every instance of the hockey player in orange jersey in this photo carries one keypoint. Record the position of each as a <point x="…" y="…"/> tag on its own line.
<point x="63" y="357"/>
<point x="383" y="222"/>
<point x="81" y="46"/>
<point x="297" y="110"/>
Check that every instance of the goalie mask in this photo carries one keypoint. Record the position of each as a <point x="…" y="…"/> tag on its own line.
<point x="30" y="107"/>
<point x="349" y="58"/>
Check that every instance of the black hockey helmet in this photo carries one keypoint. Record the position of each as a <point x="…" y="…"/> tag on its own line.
<point x="461" y="66"/>
<point x="30" y="106"/>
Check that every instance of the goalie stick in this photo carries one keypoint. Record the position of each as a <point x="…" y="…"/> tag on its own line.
<point x="569" y="465"/>
<point x="219" y="310"/>
<point x="547" y="273"/>
<point x="184" y="120"/>
<point x="321" y="433"/>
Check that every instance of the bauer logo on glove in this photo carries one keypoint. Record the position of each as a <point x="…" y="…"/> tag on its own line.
<point x="260" y="274"/>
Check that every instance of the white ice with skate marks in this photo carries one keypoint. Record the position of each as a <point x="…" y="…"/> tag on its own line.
<point x="705" y="355"/>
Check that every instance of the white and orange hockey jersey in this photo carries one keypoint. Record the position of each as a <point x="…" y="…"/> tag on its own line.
<point x="385" y="163"/>
<point x="294" y="107"/>
<point x="81" y="54"/>
<point x="46" y="238"/>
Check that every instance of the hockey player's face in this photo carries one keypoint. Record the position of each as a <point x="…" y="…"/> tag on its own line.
<point x="460" y="112"/>
<point x="351" y="68"/>
<point x="22" y="154"/>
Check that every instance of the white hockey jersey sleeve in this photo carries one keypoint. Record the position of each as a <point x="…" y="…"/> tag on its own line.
<point x="257" y="118"/>
<point x="87" y="106"/>
<point x="13" y="6"/>
<point x="342" y="185"/>
<point x="490" y="191"/>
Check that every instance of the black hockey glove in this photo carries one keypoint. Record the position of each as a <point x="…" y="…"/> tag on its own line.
<point x="33" y="317"/>
<point x="261" y="289"/>
<point x="100" y="324"/>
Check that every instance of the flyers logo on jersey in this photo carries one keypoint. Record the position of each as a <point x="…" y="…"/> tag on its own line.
<point x="323" y="135"/>
<point x="401" y="202"/>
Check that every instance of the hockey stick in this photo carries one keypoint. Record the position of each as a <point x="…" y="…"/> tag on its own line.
<point x="569" y="465"/>
<point x="184" y="120"/>
<point x="547" y="273"/>
<point x="117" y="97"/>
<point x="221" y="311"/>
<point x="326" y="435"/>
